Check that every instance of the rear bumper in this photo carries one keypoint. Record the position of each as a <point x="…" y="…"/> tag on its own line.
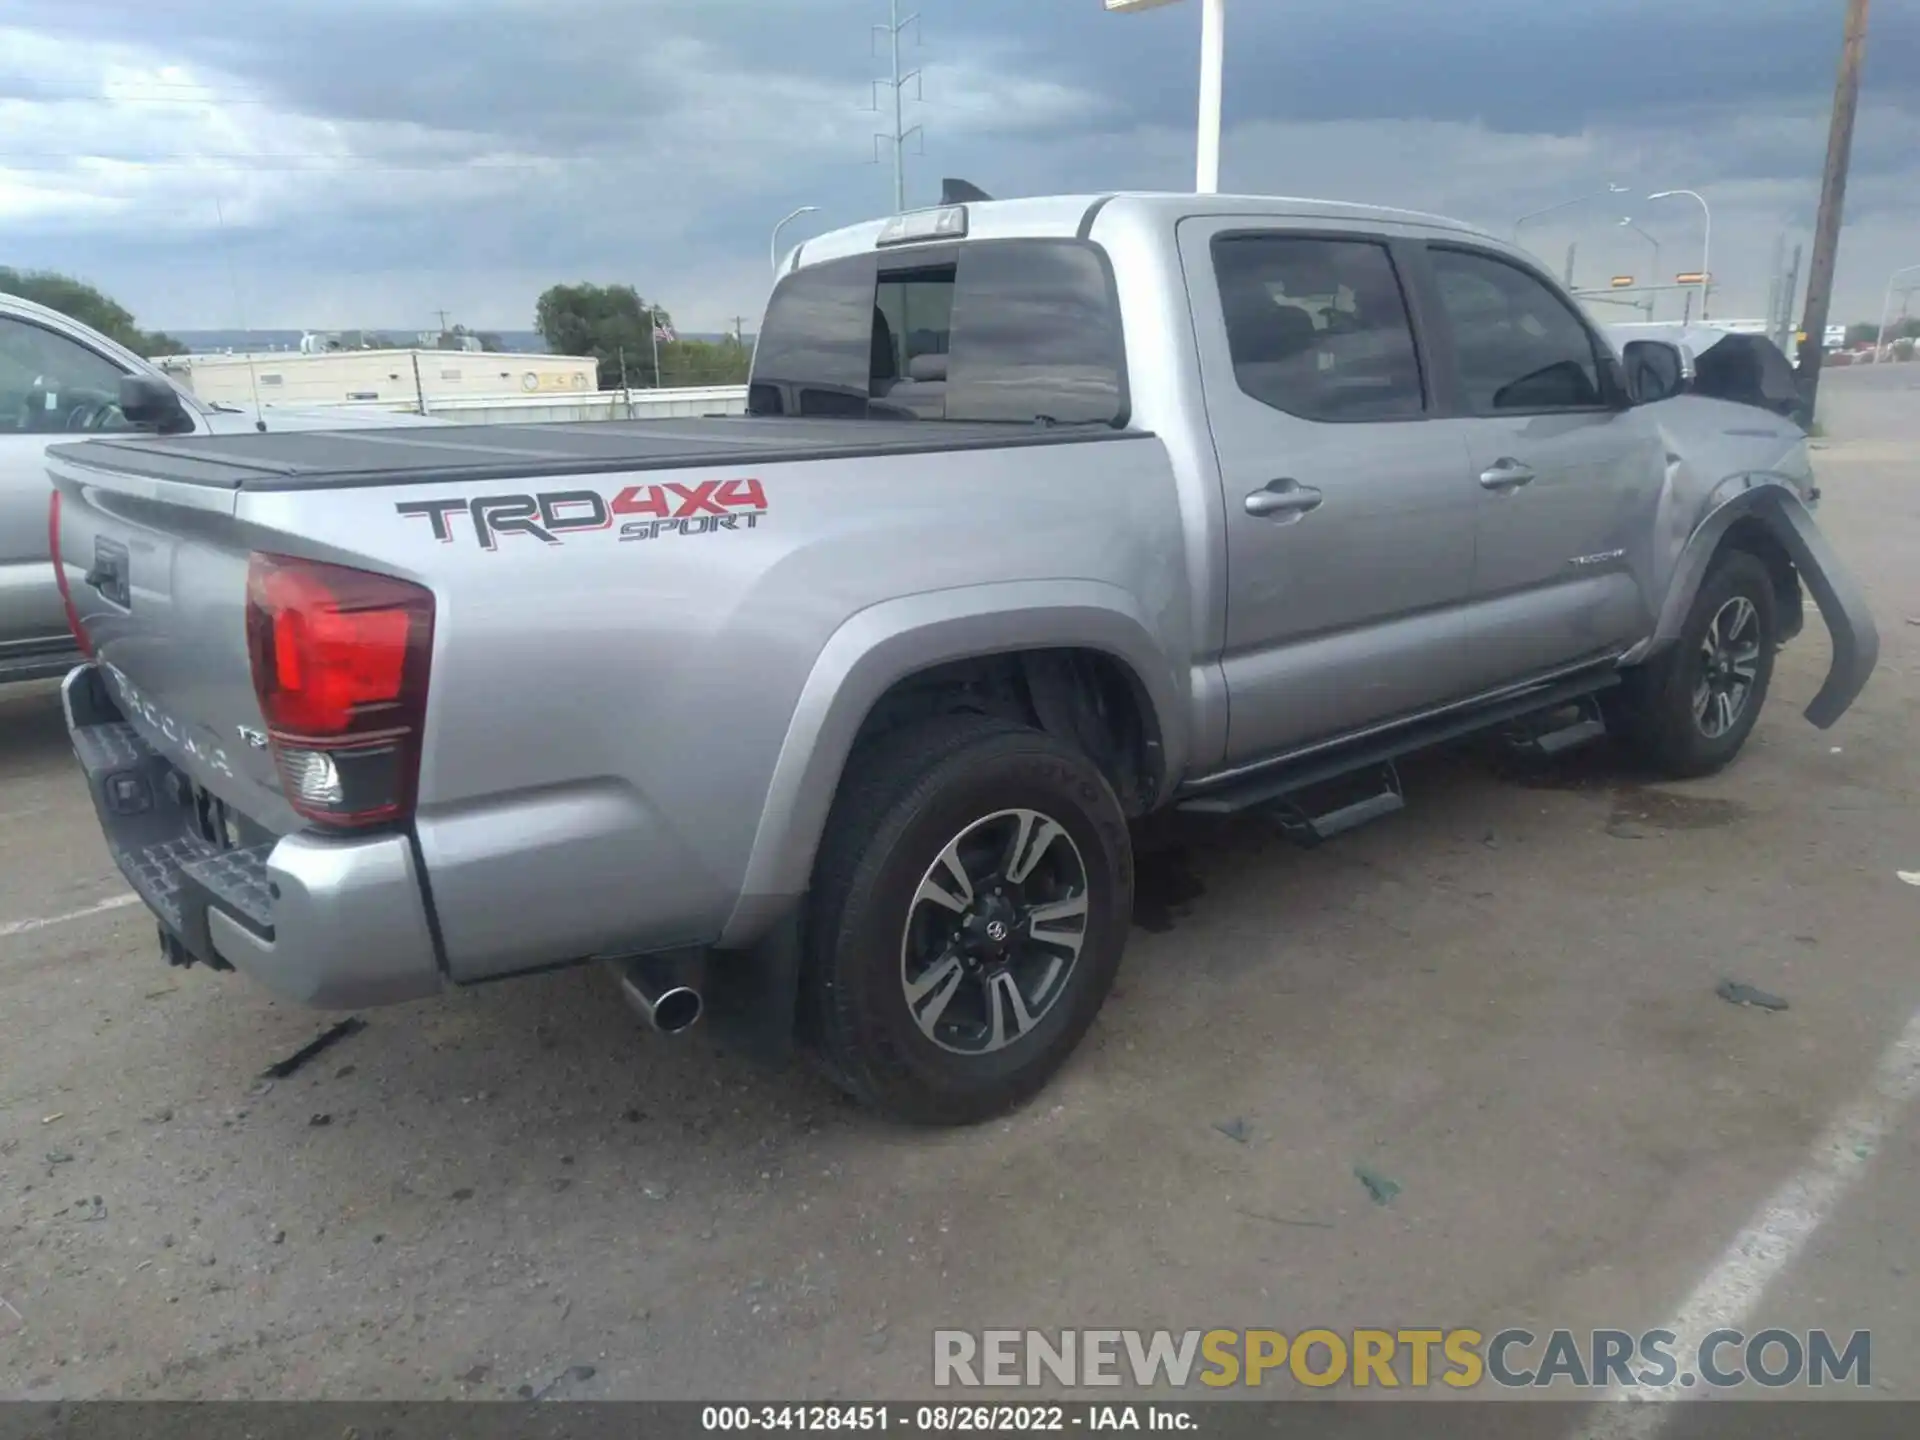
<point x="19" y="663"/>
<point x="337" y="924"/>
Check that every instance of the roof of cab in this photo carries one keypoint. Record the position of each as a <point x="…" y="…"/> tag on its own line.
<point x="1068" y="215"/>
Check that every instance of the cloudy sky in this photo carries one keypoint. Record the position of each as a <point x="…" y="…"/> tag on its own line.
<point x="330" y="163"/>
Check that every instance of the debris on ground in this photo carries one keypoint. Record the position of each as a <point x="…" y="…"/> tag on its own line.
<point x="320" y="1120"/>
<point x="1235" y="1129"/>
<point x="1910" y="877"/>
<point x="1283" y="1220"/>
<point x="49" y="1119"/>
<point x="1380" y="1189"/>
<point x="1737" y="992"/>
<point x="90" y="1208"/>
<point x="59" y="1157"/>
<point x="571" y="1375"/>
<point x="328" y="1038"/>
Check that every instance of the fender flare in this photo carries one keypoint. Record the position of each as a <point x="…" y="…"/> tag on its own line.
<point x="883" y="644"/>
<point x="1843" y="605"/>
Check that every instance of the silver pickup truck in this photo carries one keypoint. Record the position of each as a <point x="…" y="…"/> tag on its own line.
<point x="828" y="721"/>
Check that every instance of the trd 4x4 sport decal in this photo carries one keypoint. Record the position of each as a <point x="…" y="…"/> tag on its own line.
<point x="657" y="511"/>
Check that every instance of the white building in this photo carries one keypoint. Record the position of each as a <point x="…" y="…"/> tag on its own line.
<point x="286" y="378"/>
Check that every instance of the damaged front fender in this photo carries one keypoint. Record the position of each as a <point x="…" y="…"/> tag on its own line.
<point x="1843" y="605"/>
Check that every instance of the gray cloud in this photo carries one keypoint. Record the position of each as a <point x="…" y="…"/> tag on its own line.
<point x="376" y="160"/>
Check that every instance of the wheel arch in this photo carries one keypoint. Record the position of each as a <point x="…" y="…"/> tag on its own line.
<point x="1764" y="515"/>
<point x="1034" y="629"/>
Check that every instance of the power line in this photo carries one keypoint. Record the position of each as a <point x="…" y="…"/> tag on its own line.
<point x="897" y="83"/>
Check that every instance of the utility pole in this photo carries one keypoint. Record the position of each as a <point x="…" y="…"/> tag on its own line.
<point x="1572" y="250"/>
<point x="902" y="132"/>
<point x="1790" y="293"/>
<point x="1833" y="194"/>
<point x="1773" y="279"/>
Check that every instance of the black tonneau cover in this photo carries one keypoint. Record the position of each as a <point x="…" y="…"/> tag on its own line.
<point x="321" y="459"/>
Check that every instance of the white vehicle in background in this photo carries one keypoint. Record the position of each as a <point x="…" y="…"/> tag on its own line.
<point x="61" y="380"/>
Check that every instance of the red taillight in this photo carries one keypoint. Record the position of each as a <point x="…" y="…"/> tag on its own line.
<point x="60" y="577"/>
<point x="340" y="660"/>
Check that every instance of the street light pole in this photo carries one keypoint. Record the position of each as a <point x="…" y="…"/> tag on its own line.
<point x="1706" y="245"/>
<point x="773" y="247"/>
<point x="1213" y="54"/>
<point x="1886" y="310"/>
<point x="1627" y="220"/>
<point x="1611" y="189"/>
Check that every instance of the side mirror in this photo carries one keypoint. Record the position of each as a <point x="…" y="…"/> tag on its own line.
<point x="149" y="400"/>
<point x="1657" y="370"/>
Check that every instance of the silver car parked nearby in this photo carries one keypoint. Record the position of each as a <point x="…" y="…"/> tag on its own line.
<point x="60" y="380"/>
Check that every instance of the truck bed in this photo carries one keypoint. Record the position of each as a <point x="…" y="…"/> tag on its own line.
<point x="344" y="459"/>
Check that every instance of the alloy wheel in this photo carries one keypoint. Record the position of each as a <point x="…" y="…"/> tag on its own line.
<point x="993" y="932"/>
<point x="1730" y="663"/>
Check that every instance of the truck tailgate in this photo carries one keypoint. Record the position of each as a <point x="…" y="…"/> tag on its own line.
<point x="157" y="573"/>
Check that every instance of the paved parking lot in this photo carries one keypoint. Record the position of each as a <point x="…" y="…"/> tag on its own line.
<point x="1502" y="1000"/>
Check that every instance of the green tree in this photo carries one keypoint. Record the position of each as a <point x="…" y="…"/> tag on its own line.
<point x="1867" y="332"/>
<point x="80" y="301"/>
<point x="703" y="362"/>
<point x="609" y="322"/>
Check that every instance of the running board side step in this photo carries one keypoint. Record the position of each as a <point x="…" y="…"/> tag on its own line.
<point x="1308" y="829"/>
<point x="1558" y="731"/>
<point x="1286" y="777"/>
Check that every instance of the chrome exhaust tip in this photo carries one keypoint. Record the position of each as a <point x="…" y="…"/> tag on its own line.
<point x="662" y="990"/>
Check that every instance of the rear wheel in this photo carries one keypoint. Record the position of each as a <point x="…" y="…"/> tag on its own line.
<point x="1689" y="712"/>
<point x="969" y="911"/>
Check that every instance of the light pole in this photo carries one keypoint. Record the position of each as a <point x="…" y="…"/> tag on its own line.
<point x="773" y="247"/>
<point x="1611" y="189"/>
<point x="1627" y="220"/>
<point x="1213" y="52"/>
<point x="1886" y="309"/>
<point x="1706" y="244"/>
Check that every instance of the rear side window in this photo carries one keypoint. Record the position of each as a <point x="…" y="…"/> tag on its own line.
<point x="1519" y="346"/>
<point x="817" y="343"/>
<point x="996" y="330"/>
<point x="1318" y="327"/>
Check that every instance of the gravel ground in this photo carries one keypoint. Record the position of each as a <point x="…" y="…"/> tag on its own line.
<point x="1502" y="999"/>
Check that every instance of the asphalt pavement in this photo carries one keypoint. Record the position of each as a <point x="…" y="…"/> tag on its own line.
<point x="1502" y="1000"/>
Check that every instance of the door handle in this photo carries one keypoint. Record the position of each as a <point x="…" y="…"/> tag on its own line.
<point x="1283" y="497"/>
<point x="1506" y="474"/>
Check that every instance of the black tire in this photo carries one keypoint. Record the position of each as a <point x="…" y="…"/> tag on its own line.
<point x="903" y="802"/>
<point x="1653" y="712"/>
